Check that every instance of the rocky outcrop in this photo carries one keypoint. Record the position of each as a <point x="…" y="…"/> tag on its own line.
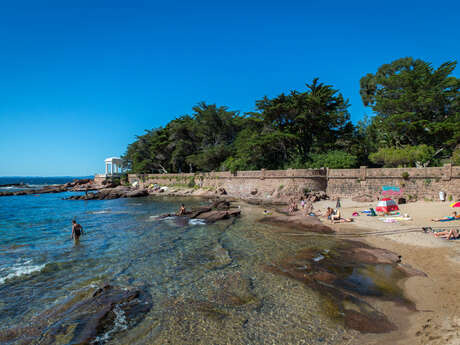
<point x="339" y="275"/>
<point x="111" y="193"/>
<point x="218" y="210"/>
<point x="316" y="196"/>
<point x="84" y="318"/>
<point x="17" y="185"/>
<point x="76" y="185"/>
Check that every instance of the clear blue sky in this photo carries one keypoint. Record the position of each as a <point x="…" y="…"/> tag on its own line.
<point x="78" y="83"/>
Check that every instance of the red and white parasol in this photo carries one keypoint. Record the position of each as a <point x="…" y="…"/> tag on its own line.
<point x="386" y="205"/>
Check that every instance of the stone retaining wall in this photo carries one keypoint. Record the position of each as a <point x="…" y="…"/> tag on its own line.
<point x="414" y="182"/>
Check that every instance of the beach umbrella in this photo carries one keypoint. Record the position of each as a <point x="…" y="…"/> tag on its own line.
<point x="386" y="205"/>
<point x="455" y="204"/>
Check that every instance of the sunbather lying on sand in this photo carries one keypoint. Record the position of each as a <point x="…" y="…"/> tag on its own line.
<point x="329" y="213"/>
<point x="454" y="215"/>
<point x="450" y="235"/>
<point x="336" y="216"/>
<point x="342" y="220"/>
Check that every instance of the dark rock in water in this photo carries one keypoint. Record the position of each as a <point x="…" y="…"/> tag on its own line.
<point x="18" y="185"/>
<point x="111" y="193"/>
<point x="214" y="216"/>
<point x="82" y="185"/>
<point x="345" y="278"/>
<point x="83" y="319"/>
<point x="194" y="213"/>
<point x="218" y="210"/>
<point x="370" y="323"/>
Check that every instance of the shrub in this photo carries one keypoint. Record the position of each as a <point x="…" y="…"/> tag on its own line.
<point x="405" y="175"/>
<point x="456" y="157"/>
<point x="450" y="197"/>
<point x="333" y="160"/>
<point x="405" y="156"/>
<point x="191" y="182"/>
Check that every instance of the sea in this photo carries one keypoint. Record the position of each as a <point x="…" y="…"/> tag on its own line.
<point x="206" y="283"/>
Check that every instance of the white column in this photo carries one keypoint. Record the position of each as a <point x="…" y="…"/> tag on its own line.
<point x="106" y="168"/>
<point x="111" y="168"/>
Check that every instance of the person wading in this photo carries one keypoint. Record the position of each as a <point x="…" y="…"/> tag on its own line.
<point x="77" y="231"/>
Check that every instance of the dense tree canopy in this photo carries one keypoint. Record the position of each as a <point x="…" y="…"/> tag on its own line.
<point x="414" y="104"/>
<point x="416" y="122"/>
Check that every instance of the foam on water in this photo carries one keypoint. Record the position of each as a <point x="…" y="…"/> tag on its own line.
<point x="99" y="212"/>
<point x="21" y="269"/>
<point x="197" y="222"/>
<point x="120" y="324"/>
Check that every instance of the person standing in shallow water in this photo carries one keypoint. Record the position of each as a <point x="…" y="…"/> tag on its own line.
<point x="77" y="231"/>
<point x="181" y="211"/>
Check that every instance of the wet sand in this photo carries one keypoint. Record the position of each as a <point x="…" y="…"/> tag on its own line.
<point x="437" y="296"/>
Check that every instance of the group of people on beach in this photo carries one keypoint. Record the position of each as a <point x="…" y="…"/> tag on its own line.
<point x="451" y="234"/>
<point x="306" y="206"/>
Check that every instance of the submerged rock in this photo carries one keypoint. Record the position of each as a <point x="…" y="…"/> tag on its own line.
<point x="347" y="276"/>
<point x="84" y="319"/>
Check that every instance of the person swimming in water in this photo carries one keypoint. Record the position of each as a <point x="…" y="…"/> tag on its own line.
<point x="181" y="211"/>
<point x="77" y="231"/>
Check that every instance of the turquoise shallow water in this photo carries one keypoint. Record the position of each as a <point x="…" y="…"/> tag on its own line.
<point x="208" y="283"/>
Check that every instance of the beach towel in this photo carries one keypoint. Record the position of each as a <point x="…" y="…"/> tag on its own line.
<point x="372" y="213"/>
<point x="449" y="219"/>
<point x="389" y="220"/>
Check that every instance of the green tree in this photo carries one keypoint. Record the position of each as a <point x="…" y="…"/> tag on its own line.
<point x="333" y="160"/>
<point x="318" y="119"/>
<point x="414" y="104"/>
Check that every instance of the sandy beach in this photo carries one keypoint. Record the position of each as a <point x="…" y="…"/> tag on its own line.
<point x="437" y="296"/>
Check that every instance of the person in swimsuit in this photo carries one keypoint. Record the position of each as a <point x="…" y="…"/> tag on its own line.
<point x="77" y="230"/>
<point x="454" y="216"/>
<point x="181" y="211"/>
<point x="450" y="235"/>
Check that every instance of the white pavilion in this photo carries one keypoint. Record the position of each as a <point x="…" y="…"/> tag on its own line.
<point x="113" y="166"/>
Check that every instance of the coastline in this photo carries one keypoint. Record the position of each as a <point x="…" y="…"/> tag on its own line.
<point x="436" y="319"/>
<point x="436" y="296"/>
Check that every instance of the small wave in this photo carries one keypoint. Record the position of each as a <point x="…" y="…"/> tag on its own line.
<point x="99" y="212"/>
<point x="168" y="218"/>
<point x="318" y="258"/>
<point x="197" y="222"/>
<point x="21" y="270"/>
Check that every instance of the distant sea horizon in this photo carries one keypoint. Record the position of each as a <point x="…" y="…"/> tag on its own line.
<point x="38" y="181"/>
